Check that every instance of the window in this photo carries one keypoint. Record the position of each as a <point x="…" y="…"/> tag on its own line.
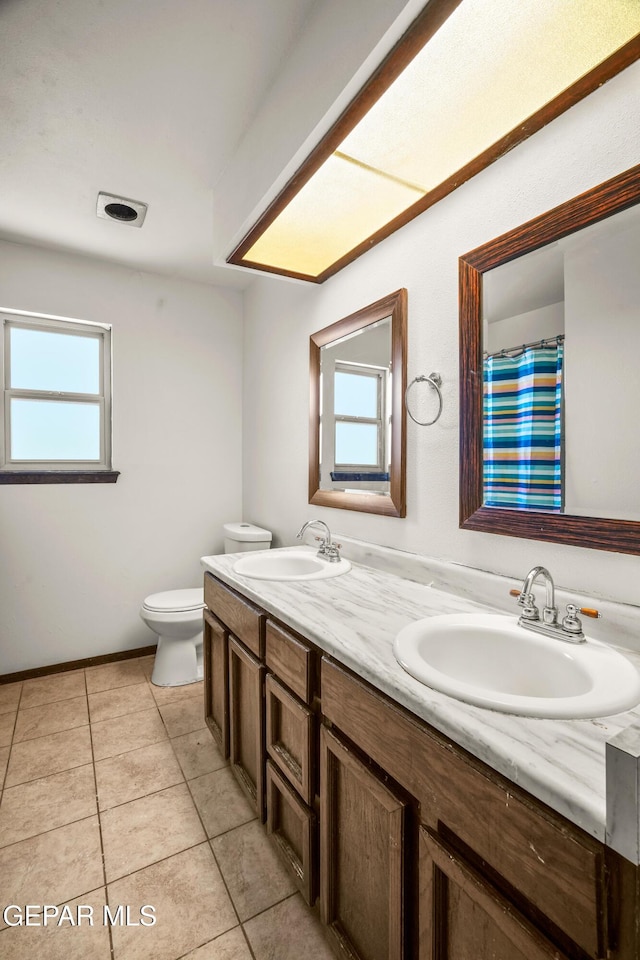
<point x="56" y="397"/>
<point x="359" y="404"/>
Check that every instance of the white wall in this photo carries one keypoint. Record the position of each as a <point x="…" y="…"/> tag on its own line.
<point x="508" y="334"/>
<point x="595" y="140"/>
<point x="602" y="398"/>
<point x="76" y="561"/>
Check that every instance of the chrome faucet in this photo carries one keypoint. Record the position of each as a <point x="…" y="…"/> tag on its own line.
<point x="527" y="601"/>
<point x="328" y="549"/>
<point x="570" y="629"/>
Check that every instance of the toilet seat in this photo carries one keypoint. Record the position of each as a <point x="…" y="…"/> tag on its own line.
<point x="175" y="601"/>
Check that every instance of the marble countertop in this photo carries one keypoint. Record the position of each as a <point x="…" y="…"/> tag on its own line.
<point x="355" y="618"/>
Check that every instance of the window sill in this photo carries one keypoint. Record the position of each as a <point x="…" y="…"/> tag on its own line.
<point x="59" y="476"/>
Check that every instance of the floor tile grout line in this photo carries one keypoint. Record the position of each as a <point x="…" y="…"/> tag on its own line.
<point x="43" y="776"/>
<point x="6" y="769"/>
<point x="151" y="793"/>
<point x="176" y="853"/>
<point x="144" y="745"/>
<point x="45" y="832"/>
<point x="122" y="753"/>
<point x="247" y="941"/>
<point x="289" y="896"/>
<point x="238" y="826"/>
<point x="223" y="833"/>
<point x="51" y="733"/>
<point x="131" y="714"/>
<point x="102" y="856"/>
<point x="215" y="859"/>
<point x="49" y="703"/>
<point x="219" y="936"/>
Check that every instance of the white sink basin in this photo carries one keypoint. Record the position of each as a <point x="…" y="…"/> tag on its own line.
<point x="289" y="565"/>
<point x="490" y="661"/>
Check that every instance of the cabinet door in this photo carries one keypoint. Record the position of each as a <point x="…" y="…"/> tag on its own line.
<point x="291" y="824"/>
<point x="246" y="722"/>
<point x="216" y="681"/>
<point x="462" y="917"/>
<point x="363" y="827"/>
<point x="290" y="737"/>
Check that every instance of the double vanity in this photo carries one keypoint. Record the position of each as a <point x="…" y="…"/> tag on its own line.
<point x="424" y="826"/>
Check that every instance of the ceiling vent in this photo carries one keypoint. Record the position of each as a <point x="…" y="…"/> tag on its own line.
<point x="131" y="212"/>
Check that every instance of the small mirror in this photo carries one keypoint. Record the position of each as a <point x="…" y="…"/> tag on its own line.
<point x="357" y="416"/>
<point x="550" y="333"/>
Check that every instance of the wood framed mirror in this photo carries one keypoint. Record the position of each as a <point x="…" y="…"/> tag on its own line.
<point x="582" y="482"/>
<point x="357" y="418"/>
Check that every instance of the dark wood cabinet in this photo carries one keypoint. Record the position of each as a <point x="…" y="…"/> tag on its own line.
<point x="216" y="681"/>
<point x="292" y="825"/>
<point x="363" y="856"/>
<point x="242" y="619"/>
<point x="291" y="660"/>
<point x="246" y="722"/>
<point x="291" y="737"/>
<point x="416" y="849"/>
<point x="291" y="740"/>
<point x="462" y="917"/>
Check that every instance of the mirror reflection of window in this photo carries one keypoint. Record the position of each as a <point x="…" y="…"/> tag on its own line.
<point x="359" y="418"/>
<point x="355" y="428"/>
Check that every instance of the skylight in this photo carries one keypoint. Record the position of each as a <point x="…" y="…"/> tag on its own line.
<point x="485" y="76"/>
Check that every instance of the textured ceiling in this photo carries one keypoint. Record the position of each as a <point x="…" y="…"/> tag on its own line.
<point x="146" y="99"/>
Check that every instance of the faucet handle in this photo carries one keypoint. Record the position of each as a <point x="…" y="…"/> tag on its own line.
<point x="590" y="612"/>
<point x="572" y="623"/>
<point x="528" y="602"/>
<point x="524" y="599"/>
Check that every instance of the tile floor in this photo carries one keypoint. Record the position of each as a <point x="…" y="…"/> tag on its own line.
<point x="114" y="793"/>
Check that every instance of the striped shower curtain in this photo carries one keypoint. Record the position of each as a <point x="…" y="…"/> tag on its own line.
<point x="523" y="430"/>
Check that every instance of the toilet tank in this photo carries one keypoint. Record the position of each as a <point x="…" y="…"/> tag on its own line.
<point x="241" y="537"/>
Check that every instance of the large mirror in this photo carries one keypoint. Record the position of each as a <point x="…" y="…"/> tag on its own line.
<point x="550" y="391"/>
<point x="357" y="416"/>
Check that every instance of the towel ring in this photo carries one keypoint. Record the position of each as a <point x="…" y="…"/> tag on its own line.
<point x="436" y="382"/>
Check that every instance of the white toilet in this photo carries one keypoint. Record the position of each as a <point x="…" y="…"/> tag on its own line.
<point x="176" y="616"/>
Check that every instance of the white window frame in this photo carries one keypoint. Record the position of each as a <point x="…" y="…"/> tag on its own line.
<point x="380" y="375"/>
<point x="61" y="325"/>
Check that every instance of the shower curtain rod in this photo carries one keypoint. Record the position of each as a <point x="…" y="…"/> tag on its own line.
<point x="517" y="351"/>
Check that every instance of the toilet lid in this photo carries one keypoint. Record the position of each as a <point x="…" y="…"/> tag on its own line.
<point x="176" y="600"/>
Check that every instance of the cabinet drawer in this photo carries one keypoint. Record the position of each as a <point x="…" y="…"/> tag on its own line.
<point x="241" y="617"/>
<point x="290" y="727"/>
<point x="292" y="825"/>
<point x="541" y="861"/>
<point x="291" y="660"/>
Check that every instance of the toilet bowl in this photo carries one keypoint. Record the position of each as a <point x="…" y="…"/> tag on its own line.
<point x="176" y="617"/>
